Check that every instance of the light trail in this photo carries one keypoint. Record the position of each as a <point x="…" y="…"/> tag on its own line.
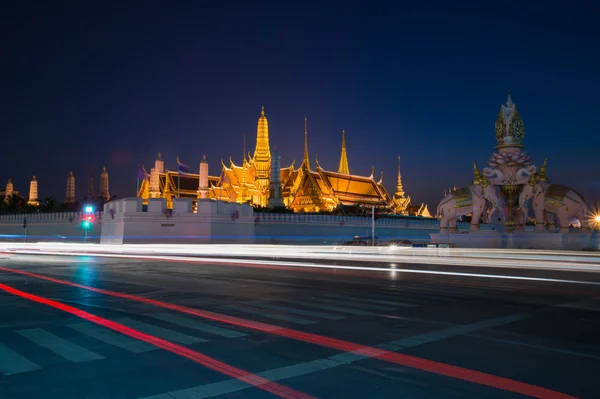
<point x="538" y="260"/>
<point x="345" y="346"/>
<point x="197" y="357"/>
<point x="283" y="265"/>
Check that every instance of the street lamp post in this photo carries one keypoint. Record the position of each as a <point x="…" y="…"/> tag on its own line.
<point x="373" y="226"/>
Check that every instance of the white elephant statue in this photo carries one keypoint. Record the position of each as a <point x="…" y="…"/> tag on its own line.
<point x="494" y="175"/>
<point x="474" y="199"/>
<point x="551" y="201"/>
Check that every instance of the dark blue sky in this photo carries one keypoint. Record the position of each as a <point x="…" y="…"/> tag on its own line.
<point x="85" y="86"/>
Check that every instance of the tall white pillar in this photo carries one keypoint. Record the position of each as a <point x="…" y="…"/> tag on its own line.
<point x="203" y="180"/>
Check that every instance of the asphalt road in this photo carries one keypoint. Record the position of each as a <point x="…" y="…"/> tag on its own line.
<point x="191" y="329"/>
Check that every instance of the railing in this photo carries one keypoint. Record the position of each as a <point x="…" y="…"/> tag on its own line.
<point x="340" y="220"/>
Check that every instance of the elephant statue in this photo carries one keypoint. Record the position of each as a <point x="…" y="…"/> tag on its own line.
<point x="494" y="175"/>
<point x="553" y="200"/>
<point x="473" y="199"/>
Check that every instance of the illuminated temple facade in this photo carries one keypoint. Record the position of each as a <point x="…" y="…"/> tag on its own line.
<point x="302" y="189"/>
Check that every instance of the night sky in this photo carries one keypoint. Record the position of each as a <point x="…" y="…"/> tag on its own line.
<point x="85" y="86"/>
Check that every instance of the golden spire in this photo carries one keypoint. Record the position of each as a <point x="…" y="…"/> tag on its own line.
<point x="262" y="153"/>
<point x="244" y="157"/>
<point x="477" y="177"/>
<point x="541" y="175"/>
<point x="399" y="190"/>
<point x="306" y="145"/>
<point x="343" y="168"/>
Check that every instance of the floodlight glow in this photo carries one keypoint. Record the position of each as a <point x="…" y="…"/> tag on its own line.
<point x="88" y="209"/>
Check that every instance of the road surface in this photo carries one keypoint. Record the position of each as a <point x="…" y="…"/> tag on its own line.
<point x="143" y="328"/>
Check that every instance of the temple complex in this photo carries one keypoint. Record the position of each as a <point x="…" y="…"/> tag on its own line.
<point x="260" y="181"/>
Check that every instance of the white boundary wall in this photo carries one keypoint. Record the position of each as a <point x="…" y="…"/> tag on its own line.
<point x="59" y="226"/>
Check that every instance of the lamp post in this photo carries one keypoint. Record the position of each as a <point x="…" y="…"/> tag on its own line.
<point x="373" y="226"/>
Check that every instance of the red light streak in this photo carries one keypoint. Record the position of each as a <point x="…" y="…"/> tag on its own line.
<point x="213" y="364"/>
<point x="346" y="346"/>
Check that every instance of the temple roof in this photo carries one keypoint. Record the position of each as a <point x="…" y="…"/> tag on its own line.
<point x="188" y="182"/>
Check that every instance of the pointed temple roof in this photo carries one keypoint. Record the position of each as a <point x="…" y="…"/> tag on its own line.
<point x="399" y="189"/>
<point x="306" y="160"/>
<point x="343" y="167"/>
<point x="262" y="151"/>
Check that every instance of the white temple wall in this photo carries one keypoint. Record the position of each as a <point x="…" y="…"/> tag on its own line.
<point x="58" y="227"/>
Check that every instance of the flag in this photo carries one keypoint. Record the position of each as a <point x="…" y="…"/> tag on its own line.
<point x="141" y="173"/>
<point x="181" y="167"/>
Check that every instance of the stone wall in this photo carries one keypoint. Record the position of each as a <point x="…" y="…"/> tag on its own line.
<point x="215" y="222"/>
<point x="59" y="227"/>
<point x="297" y="228"/>
<point x="124" y="221"/>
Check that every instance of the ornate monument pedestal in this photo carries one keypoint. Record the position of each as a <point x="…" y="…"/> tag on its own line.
<point x="574" y="241"/>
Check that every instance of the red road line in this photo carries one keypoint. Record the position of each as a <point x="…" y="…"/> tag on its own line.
<point x="346" y="346"/>
<point x="213" y="364"/>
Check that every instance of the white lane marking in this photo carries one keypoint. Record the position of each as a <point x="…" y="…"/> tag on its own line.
<point x="160" y="332"/>
<point x="60" y="346"/>
<point x="545" y="348"/>
<point x="354" y="304"/>
<point x="369" y="300"/>
<point x="317" y="304"/>
<point x="414" y="259"/>
<point x="112" y="338"/>
<point x="302" y="312"/>
<point x="444" y="333"/>
<point x="197" y="325"/>
<point x="261" y="312"/>
<point x="342" y="359"/>
<point x="13" y="363"/>
<point x="592" y="304"/>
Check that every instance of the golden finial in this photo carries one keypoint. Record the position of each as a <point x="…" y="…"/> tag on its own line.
<point x="203" y="158"/>
<point x="306" y="160"/>
<point x="33" y="177"/>
<point x="372" y="171"/>
<point x="244" y="158"/>
<point x="159" y="155"/>
<point x="262" y="111"/>
<point x="541" y="174"/>
<point x="477" y="177"/>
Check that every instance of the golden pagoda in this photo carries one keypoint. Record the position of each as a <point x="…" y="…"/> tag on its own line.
<point x="400" y="201"/>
